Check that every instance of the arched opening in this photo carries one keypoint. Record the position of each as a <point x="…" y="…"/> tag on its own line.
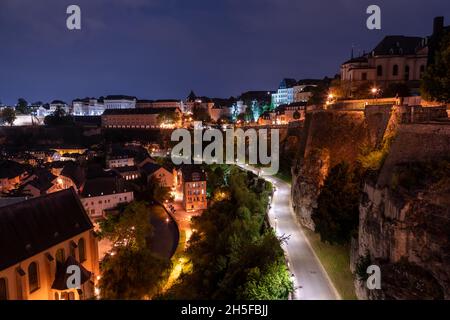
<point x="33" y="277"/>
<point x="379" y="71"/>
<point x="3" y="289"/>
<point x="82" y="250"/>
<point x="406" y="73"/>
<point x="395" y="70"/>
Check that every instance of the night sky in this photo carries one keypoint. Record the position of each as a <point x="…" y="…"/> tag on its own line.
<point x="164" y="48"/>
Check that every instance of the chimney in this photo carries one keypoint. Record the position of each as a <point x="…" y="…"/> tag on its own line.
<point x="438" y="25"/>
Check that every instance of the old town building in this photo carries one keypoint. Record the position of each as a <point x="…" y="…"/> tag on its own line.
<point x="39" y="239"/>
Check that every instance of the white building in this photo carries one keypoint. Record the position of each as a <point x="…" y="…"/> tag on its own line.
<point x="120" y="102"/>
<point x="88" y="107"/>
<point x="285" y="92"/>
<point x="119" y="161"/>
<point x="55" y="104"/>
<point x="101" y="194"/>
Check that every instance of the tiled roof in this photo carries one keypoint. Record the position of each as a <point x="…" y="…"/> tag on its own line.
<point x="11" y="169"/>
<point x="30" y="227"/>
<point x="398" y="45"/>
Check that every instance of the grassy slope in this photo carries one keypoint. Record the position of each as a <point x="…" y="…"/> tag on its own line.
<point x="336" y="260"/>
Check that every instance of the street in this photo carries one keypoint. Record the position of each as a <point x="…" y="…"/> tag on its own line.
<point x="310" y="279"/>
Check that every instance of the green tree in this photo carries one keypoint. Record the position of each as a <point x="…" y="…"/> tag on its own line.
<point x="132" y="274"/>
<point x="436" y="80"/>
<point x="337" y="213"/>
<point x="130" y="229"/>
<point x="8" y="115"/>
<point x="297" y="115"/>
<point x="157" y="191"/>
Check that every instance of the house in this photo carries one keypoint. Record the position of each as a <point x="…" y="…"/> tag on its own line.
<point x="11" y="175"/>
<point x="41" y="182"/>
<point x="166" y="177"/>
<point x="104" y="193"/>
<point x="193" y="181"/>
<point x="88" y="107"/>
<point x="285" y="93"/>
<point x="72" y="175"/>
<point x="128" y="172"/>
<point x="120" y="159"/>
<point x="396" y="59"/>
<point x="39" y="239"/>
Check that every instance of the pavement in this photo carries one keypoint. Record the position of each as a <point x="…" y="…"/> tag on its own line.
<point x="310" y="278"/>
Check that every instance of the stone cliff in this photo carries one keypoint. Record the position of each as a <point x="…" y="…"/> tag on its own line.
<point x="405" y="217"/>
<point x="404" y="222"/>
<point x="328" y="138"/>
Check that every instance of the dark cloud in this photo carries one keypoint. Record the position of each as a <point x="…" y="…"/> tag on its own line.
<point x="163" y="48"/>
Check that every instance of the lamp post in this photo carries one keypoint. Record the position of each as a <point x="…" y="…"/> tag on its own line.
<point x="375" y="91"/>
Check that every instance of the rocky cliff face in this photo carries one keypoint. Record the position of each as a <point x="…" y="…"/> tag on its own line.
<point x="405" y="227"/>
<point x="328" y="138"/>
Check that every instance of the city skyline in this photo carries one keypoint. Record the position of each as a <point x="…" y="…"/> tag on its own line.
<point x="156" y="49"/>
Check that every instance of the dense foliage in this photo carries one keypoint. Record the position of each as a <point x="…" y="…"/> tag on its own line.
<point x="132" y="271"/>
<point x="8" y="115"/>
<point x="337" y="213"/>
<point x="232" y="252"/>
<point x="436" y="80"/>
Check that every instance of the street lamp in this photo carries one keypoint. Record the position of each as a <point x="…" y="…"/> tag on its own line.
<point x="375" y="92"/>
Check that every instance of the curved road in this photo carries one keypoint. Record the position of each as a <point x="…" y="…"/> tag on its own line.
<point x="310" y="279"/>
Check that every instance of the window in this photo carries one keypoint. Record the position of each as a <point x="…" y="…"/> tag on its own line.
<point x="379" y="71"/>
<point x="3" y="289"/>
<point x="422" y="70"/>
<point x="363" y="77"/>
<point x="81" y="250"/>
<point x="72" y="251"/>
<point x="60" y="256"/>
<point x="395" y="70"/>
<point x="406" y="73"/>
<point x="33" y="277"/>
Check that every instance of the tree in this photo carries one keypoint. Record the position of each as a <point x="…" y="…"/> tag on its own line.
<point x="8" y="115"/>
<point x="397" y="90"/>
<point x="337" y="212"/>
<point x="157" y="191"/>
<point x="297" y="115"/>
<point x="436" y="80"/>
<point x="132" y="274"/>
<point x="22" y="106"/>
<point x="130" y="229"/>
<point x="168" y="117"/>
<point x="58" y="118"/>
<point x="200" y="113"/>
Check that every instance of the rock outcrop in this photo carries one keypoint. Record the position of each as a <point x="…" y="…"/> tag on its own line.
<point x="405" y="229"/>
<point x="328" y="138"/>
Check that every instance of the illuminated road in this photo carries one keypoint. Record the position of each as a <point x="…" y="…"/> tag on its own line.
<point x="310" y="279"/>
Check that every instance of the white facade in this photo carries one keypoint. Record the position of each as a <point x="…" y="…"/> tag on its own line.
<point x="96" y="206"/>
<point x="283" y="96"/>
<point x="91" y="107"/>
<point x="118" y="162"/>
<point x="120" y="103"/>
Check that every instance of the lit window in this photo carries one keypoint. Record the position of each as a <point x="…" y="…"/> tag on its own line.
<point x="3" y="289"/>
<point x="33" y="277"/>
